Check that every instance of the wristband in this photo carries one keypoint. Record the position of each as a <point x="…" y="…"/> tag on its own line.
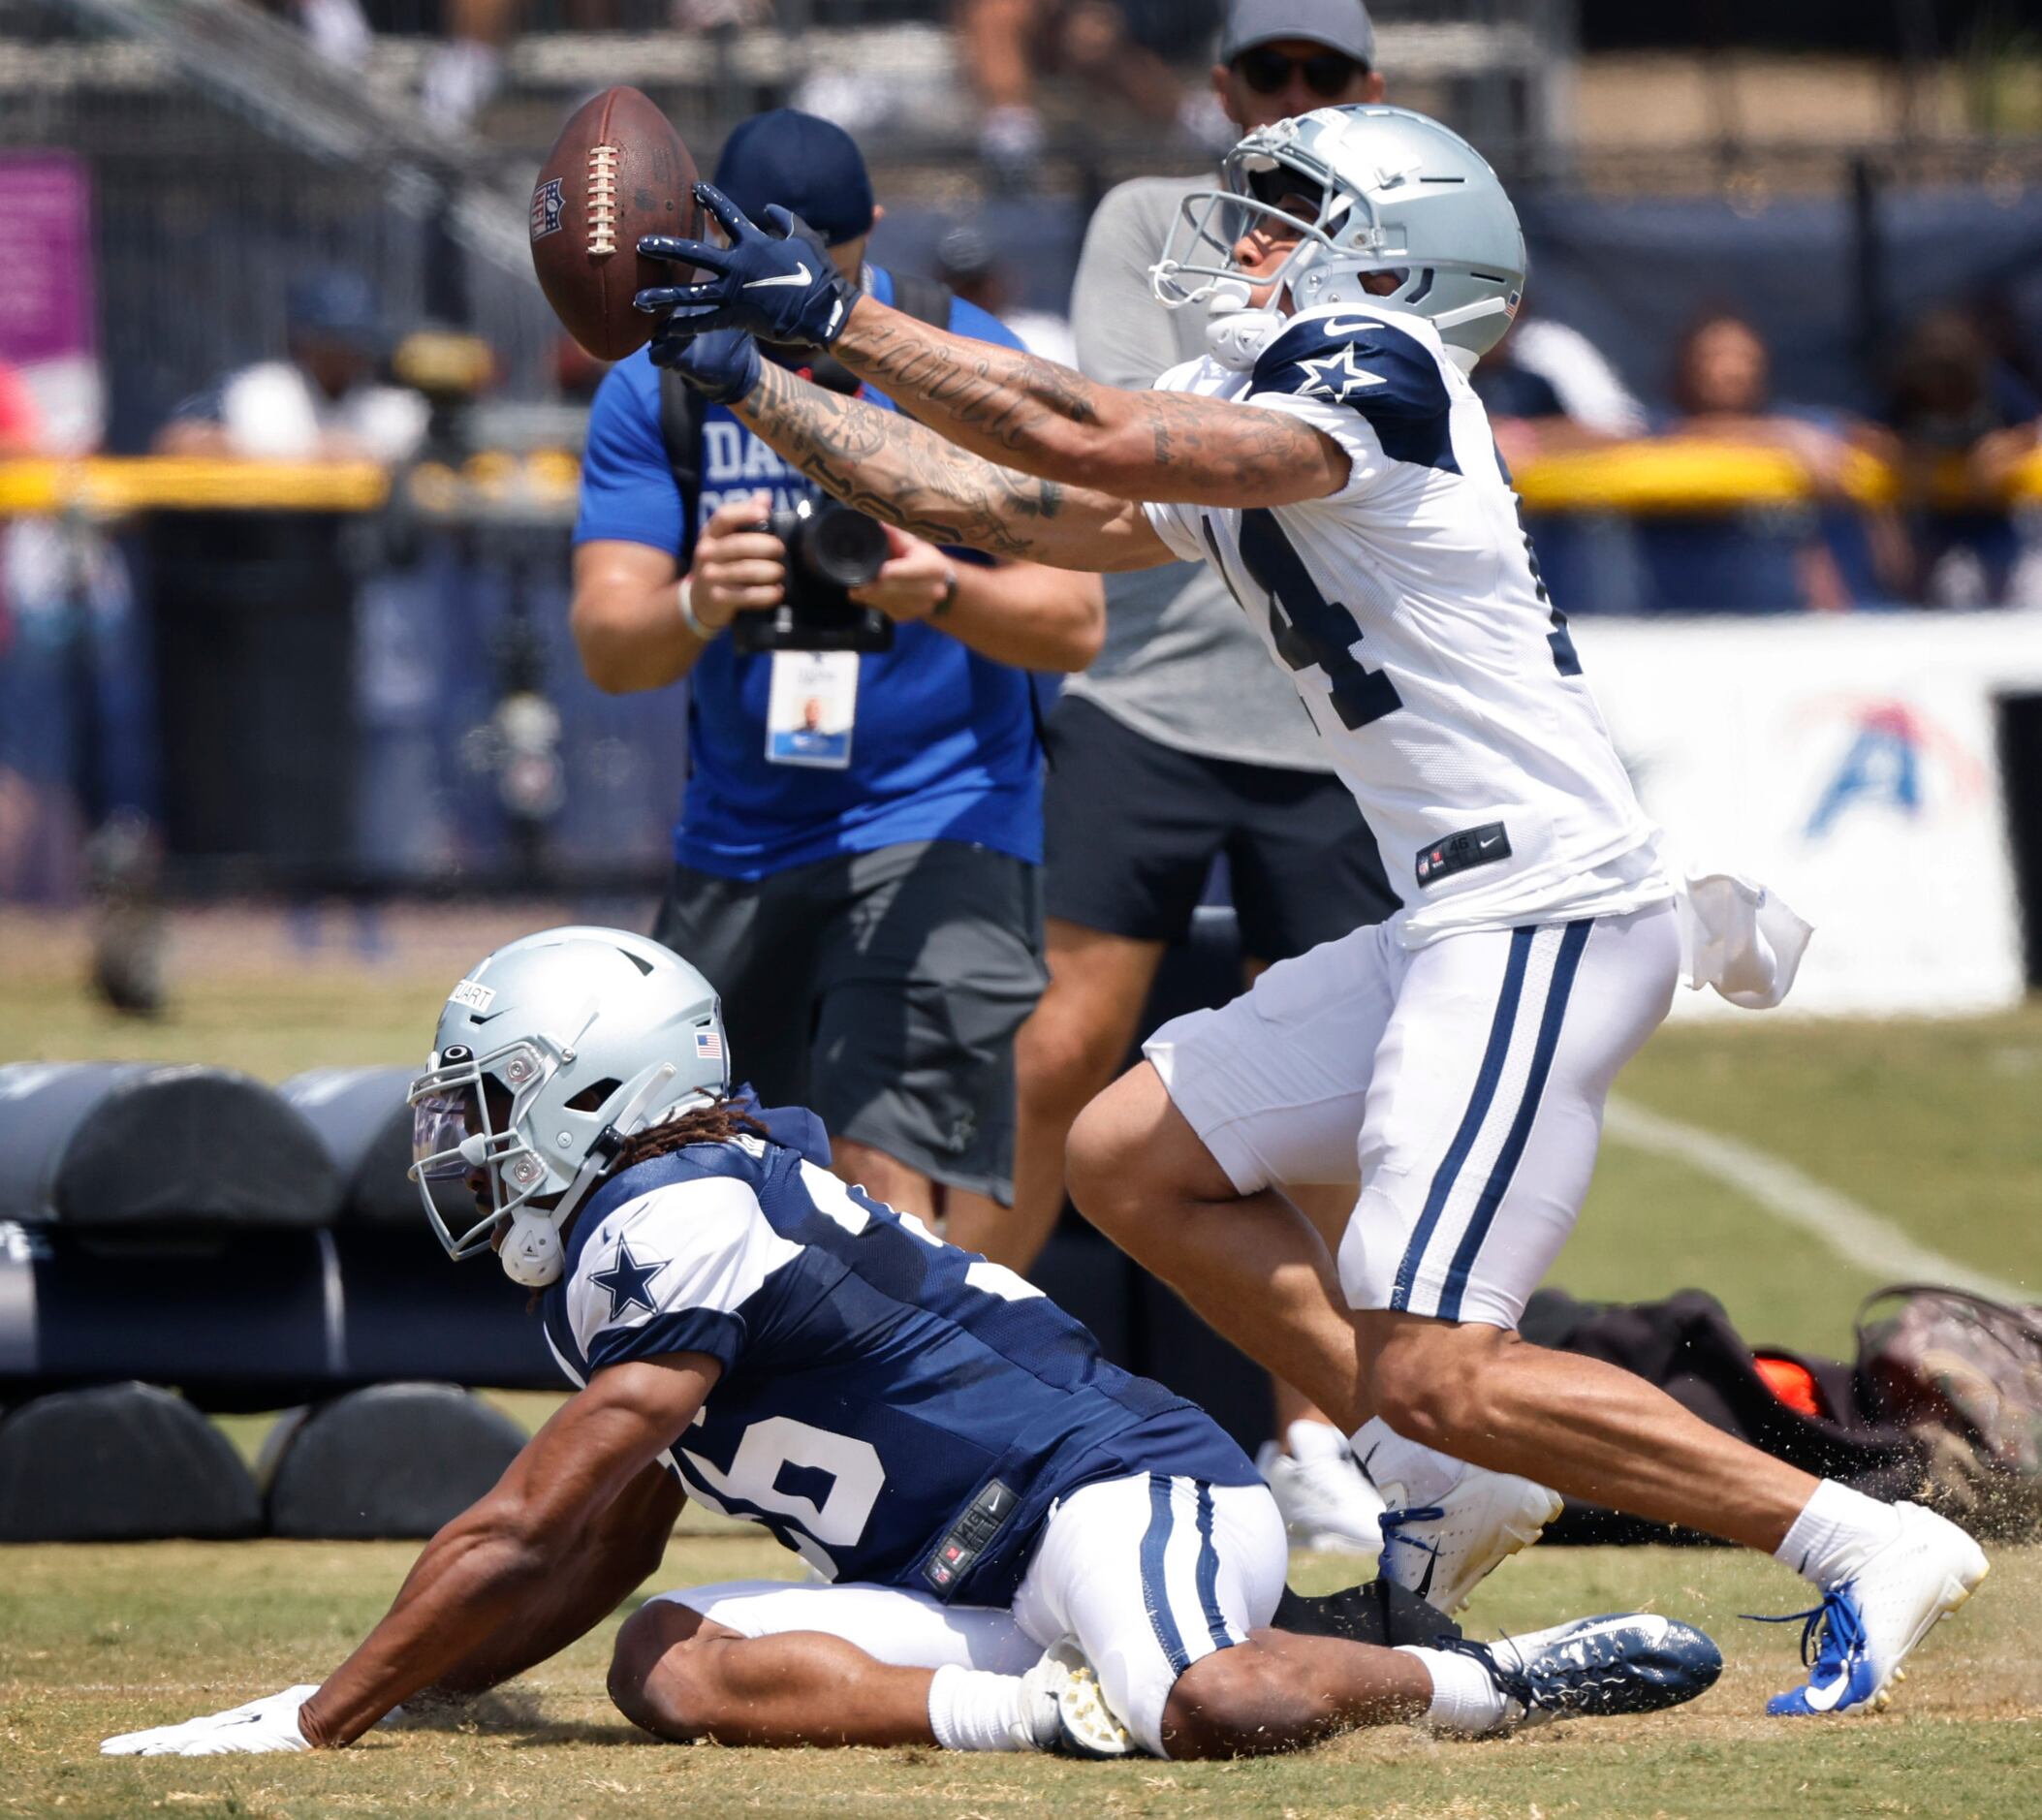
<point x="949" y="596"/>
<point x="687" y="612"/>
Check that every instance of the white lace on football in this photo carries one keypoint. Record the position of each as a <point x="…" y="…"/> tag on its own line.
<point x="601" y="199"/>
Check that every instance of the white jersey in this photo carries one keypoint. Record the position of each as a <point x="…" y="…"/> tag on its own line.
<point x="1409" y="612"/>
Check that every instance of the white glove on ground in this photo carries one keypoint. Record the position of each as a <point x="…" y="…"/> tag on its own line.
<point x="262" y="1725"/>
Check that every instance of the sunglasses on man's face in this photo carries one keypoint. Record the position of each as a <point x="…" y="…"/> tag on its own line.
<point x="1326" y="73"/>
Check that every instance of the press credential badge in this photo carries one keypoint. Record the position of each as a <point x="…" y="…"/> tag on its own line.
<point x="811" y="708"/>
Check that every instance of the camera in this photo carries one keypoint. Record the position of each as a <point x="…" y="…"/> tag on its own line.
<point x="831" y="550"/>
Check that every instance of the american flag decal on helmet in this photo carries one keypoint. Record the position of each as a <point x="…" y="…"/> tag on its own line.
<point x="1511" y="302"/>
<point x="709" y="1046"/>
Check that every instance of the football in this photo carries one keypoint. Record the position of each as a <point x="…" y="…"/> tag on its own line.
<point x="617" y="171"/>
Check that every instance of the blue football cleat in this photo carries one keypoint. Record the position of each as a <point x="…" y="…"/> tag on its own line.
<point x="1622" y="1662"/>
<point x="1866" y="1625"/>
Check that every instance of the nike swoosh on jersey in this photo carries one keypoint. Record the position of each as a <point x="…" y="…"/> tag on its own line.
<point x="803" y="276"/>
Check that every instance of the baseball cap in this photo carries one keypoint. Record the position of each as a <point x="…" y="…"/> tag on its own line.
<point x="1341" y="25"/>
<point x="337" y="304"/>
<point x="806" y="164"/>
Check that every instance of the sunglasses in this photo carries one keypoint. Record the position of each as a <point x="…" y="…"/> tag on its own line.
<point x="1326" y="73"/>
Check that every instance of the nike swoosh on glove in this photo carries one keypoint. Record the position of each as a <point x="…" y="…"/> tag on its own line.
<point x="723" y="365"/>
<point x="781" y="286"/>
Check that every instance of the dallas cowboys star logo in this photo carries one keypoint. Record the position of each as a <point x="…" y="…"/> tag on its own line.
<point x="1337" y="370"/>
<point x="626" y="1281"/>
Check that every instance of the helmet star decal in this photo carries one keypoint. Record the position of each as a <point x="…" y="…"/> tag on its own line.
<point x="1336" y="377"/>
<point x="626" y="1281"/>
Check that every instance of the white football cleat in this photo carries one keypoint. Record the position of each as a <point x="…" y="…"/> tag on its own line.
<point x="1328" y="1503"/>
<point x="1866" y="1625"/>
<point x="1443" y="1550"/>
<point x="1083" y="1725"/>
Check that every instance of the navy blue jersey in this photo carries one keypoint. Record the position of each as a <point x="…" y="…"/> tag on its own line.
<point x="877" y="1383"/>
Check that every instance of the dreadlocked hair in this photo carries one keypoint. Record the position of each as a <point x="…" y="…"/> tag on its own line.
<point x="718" y="1122"/>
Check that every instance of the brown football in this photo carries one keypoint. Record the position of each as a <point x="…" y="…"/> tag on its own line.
<point x="617" y="171"/>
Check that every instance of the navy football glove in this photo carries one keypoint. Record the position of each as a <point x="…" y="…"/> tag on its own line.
<point x="723" y="365"/>
<point x="781" y="286"/>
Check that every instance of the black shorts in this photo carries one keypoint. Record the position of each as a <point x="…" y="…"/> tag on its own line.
<point x="882" y="990"/>
<point x="1131" y="827"/>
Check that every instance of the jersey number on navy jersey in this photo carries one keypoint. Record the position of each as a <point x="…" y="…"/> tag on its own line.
<point x="1309" y="630"/>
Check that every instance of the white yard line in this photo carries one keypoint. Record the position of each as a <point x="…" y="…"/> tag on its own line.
<point x="1853" y="1232"/>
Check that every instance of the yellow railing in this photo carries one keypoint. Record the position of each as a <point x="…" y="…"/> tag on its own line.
<point x="1643" y="477"/>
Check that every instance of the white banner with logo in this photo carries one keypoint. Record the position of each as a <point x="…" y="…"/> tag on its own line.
<point x="1851" y="764"/>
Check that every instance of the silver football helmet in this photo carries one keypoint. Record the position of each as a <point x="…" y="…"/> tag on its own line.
<point x="548" y="1055"/>
<point x="1364" y="189"/>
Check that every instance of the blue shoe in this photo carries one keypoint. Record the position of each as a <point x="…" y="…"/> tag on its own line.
<point x="1622" y="1662"/>
<point x="1866" y="1625"/>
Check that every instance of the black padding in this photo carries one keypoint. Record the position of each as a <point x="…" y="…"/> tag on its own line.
<point x="237" y="1320"/>
<point x="363" y="1118"/>
<point x="397" y="1459"/>
<point x="410" y="1312"/>
<point x="123" y="1463"/>
<point x="130" y="1143"/>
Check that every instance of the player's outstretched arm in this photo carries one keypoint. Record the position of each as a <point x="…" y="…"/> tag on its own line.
<point x="1003" y="404"/>
<point x="486" y="1596"/>
<point x="902" y="472"/>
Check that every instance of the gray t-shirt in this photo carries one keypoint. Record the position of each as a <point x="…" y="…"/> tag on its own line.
<point x="1179" y="665"/>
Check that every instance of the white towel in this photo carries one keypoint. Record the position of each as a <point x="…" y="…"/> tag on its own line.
<point x="1740" y="938"/>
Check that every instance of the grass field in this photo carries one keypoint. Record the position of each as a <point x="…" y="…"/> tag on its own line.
<point x="1937" y="1127"/>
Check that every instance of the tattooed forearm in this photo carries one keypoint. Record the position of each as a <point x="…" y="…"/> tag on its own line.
<point x="905" y="474"/>
<point x="1046" y="420"/>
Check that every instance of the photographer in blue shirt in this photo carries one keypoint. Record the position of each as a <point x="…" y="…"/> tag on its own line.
<point x="859" y="841"/>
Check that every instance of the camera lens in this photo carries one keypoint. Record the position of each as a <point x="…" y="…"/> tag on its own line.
<point x="843" y="547"/>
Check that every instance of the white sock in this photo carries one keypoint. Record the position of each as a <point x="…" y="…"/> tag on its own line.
<point x="1308" y="1440"/>
<point x="1425" y="1474"/>
<point x="976" y="1710"/>
<point x="1465" y="1697"/>
<point x="1837" y="1530"/>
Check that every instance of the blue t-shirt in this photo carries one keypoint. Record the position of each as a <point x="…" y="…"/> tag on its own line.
<point x="943" y="747"/>
<point x="877" y="1384"/>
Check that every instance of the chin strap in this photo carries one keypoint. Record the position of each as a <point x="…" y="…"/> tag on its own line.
<point x="1235" y="334"/>
<point x="532" y="1254"/>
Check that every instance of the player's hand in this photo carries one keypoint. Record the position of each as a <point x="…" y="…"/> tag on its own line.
<point x="262" y="1725"/>
<point x="781" y="285"/>
<point x="723" y="365"/>
<point x="917" y="579"/>
<point x="737" y="567"/>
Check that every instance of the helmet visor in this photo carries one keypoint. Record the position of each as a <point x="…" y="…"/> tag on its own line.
<point x="441" y="1122"/>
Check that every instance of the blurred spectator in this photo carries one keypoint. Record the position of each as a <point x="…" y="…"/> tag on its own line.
<point x="1967" y="422"/>
<point x="1548" y="389"/>
<point x="1120" y="46"/>
<point x="1722" y="391"/>
<point x="966" y="263"/>
<point x="20" y="423"/>
<point x="321" y="403"/>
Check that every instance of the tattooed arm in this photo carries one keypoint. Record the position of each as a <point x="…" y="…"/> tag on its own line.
<point x="904" y="473"/>
<point x="1050" y="421"/>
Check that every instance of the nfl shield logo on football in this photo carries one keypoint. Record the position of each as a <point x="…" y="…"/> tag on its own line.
<point x="545" y="209"/>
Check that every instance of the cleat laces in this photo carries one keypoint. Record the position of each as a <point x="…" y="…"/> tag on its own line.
<point x="1833" y="1629"/>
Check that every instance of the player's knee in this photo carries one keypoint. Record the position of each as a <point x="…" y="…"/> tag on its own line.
<point x="661" y="1672"/>
<point x="1234" y="1702"/>
<point x="1103" y="1166"/>
<point x="1063" y="1055"/>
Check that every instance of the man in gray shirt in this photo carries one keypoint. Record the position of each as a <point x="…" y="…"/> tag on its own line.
<point x="1182" y="744"/>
